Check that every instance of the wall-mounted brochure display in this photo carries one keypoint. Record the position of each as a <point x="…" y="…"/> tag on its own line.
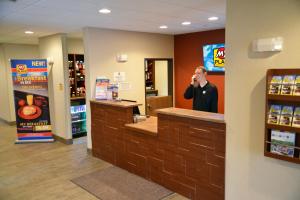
<point x="284" y="115"/>
<point x="282" y="143"/>
<point x="282" y="125"/>
<point x="30" y="85"/>
<point x="285" y="85"/>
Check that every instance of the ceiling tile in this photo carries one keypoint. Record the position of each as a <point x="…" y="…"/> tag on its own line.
<point x="46" y="17"/>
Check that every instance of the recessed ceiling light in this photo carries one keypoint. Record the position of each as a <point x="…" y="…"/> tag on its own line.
<point x="163" y="27"/>
<point x="186" y="23"/>
<point x="29" y="32"/>
<point x="213" y="18"/>
<point x="104" y="11"/>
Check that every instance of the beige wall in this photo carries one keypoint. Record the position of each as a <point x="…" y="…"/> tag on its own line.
<point x="7" y="52"/>
<point x="250" y="175"/>
<point x="101" y="48"/>
<point x="75" y="46"/>
<point x="54" y="48"/>
<point x="161" y="77"/>
<point x="4" y="100"/>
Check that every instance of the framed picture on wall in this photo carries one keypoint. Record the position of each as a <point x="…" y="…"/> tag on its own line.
<point x="214" y="57"/>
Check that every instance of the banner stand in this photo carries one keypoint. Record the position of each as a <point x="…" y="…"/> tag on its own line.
<point x="30" y="88"/>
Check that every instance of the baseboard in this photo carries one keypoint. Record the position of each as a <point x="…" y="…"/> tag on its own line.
<point x="89" y="151"/>
<point x="63" y="140"/>
<point x="12" y="123"/>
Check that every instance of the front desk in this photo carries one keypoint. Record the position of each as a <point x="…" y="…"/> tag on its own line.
<point x="182" y="150"/>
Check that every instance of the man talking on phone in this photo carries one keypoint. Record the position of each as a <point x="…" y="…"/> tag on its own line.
<point x="203" y="93"/>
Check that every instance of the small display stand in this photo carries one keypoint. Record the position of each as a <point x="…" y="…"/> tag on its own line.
<point x="282" y="115"/>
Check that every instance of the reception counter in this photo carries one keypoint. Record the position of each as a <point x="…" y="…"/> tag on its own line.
<point x="183" y="150"/>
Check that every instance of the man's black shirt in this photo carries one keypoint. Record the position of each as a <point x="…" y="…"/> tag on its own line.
<point x="204" y="98"/>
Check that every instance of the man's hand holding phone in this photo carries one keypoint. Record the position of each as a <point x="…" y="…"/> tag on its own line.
<point x="194" y="80"/>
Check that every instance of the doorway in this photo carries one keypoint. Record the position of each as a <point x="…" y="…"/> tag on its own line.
<point x="158" y="84"/>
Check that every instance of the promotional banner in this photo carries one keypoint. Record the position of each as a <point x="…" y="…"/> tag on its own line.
<point x="30" y="84"/>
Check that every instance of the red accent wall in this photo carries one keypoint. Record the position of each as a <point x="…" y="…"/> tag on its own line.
<point x="188" y="55"/>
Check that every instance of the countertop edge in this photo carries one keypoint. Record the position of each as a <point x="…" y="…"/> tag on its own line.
<point x="116" y="103"/>
<point x="203" y="118"/>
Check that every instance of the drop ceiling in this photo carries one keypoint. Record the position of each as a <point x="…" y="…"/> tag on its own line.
<point x="46" y="17"/>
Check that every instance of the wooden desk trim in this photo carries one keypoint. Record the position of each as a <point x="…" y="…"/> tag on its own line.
<point x="193" y="114"/>
<point x="123" y="104"/>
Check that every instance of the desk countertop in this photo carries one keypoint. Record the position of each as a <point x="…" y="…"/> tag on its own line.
<point x="193" y="114"/>
<point x="123" y="104"/>
<point x="148" y="127"/>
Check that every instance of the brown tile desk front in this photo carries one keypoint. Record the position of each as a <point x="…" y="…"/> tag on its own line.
<point x="187" y="155"/>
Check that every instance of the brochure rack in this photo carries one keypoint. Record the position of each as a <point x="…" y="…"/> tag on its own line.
<point x="283" y="100"/>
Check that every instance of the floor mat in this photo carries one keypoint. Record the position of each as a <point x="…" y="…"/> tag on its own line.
<point x="114" y="183"/>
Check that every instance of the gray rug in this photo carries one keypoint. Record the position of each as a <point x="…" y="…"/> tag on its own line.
<point x="114" y="183"/>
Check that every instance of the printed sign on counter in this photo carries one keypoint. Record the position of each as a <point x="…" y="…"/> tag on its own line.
<point x="30" y="85"/>
<point x="101" y="88"/>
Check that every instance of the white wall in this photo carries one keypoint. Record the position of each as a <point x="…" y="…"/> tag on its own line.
<point x="7" y="52"/>
<point x="75" y="46"/>
<point x="54" y="47"/>
<point x="101" y="47"/>
<point x="161" y="77"/>
<point x="250" y="175"/>
<point x="4" y="100"/>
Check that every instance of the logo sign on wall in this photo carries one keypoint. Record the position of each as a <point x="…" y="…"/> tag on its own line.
<point x="214" y="57"/>
<point x="30" y="85"/>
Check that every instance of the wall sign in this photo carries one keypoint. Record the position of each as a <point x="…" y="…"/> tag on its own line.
<point x="119" y="77"/>
<point x="214" y="57"/>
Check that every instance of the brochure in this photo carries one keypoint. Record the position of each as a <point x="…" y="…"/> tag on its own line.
<point x="296" y="118"/>
<point x="275" y="85"/>
<point x="112" y="91"/>
<point x="286" y="116"/>
<point x="288" y="85"/>
<point x="283" y="143"/>
<point x="297" y="86"/>
<point x="101" y="88"/>
<point x="274" y="114"/>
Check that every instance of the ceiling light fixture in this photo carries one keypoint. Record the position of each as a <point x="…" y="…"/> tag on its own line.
<point x="104" y="11"/>
<point x="163" y="27"/>
<point x="29" y="32"/>
<point x="186" y="23"/>
<point x="213" y="18"/>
